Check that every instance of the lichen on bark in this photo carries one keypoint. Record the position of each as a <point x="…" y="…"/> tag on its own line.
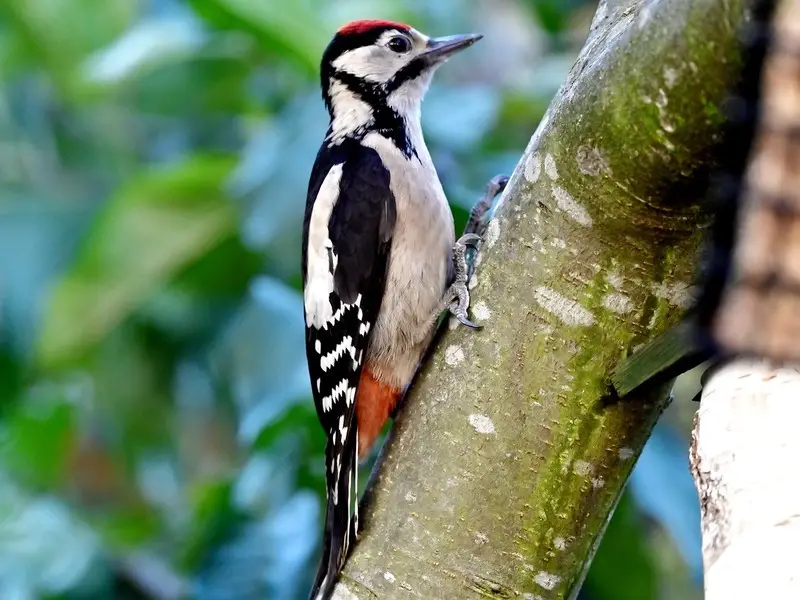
<point x="506" y="461"/>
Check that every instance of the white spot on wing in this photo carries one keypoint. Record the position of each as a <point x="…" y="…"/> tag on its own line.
<point x="568" y="311"/>
<point x="329" y="359"/>
<point x="481" y="424"/>
<point x="389" y="577"/>
<point x="342" y="389"/>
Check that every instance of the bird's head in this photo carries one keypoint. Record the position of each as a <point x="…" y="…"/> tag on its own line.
<point x="378" y="65"/>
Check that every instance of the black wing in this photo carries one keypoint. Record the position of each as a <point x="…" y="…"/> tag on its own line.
<point x="359" y="231"/>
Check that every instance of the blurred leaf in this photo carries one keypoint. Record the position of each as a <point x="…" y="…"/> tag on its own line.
<point x="153" y="228"/>
<point x="38" y="442"/>
<point x="623" y="568"/>
<point x="60" y="34"/>
<point x="10" y="375"/>
<point x="13" y="56"/>
<point x="191" y="307"/>
<point x="293" y="31"/>
<point x="224" y="271"/>
<point x="127" y="527"/>
<point x="212" y="519"/>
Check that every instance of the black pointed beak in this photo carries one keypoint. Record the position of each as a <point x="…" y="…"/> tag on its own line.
<point x="440" y="49"/>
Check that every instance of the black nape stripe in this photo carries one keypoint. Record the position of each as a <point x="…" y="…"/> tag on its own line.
<point x="386" y="120"/>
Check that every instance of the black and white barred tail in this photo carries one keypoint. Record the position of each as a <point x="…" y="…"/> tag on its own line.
<point x="341" y="525"/>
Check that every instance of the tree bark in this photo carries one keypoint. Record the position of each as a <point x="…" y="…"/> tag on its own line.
<point x="509" y="455"/>
<point x="745" y="437"/>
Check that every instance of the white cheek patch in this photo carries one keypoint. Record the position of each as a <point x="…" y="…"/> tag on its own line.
<point x="371" y="63"/>
<point x="319" y="278"/>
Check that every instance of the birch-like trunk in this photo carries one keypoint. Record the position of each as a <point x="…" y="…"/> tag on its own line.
<point x="509" y="456"/>
<point x="745" y="456"/>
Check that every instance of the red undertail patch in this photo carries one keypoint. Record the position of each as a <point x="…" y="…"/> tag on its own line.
<point x="375" y="401"/>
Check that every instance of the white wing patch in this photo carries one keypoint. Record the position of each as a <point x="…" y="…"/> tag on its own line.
<point x="319" y="278"/>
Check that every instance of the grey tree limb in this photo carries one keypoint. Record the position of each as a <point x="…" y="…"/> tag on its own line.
<point x="744" y="451"/>
<point x="510" y="454"/>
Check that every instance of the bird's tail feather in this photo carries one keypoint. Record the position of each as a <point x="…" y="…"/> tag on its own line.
<point x="341" y="523"/>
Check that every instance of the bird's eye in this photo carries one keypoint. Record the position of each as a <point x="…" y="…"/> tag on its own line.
<point x="399" y="44"/>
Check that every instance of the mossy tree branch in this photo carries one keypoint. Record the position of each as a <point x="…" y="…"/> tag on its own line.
<point x="509" y="456"/>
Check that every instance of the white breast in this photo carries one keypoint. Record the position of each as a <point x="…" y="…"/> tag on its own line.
<point x="421" y="251"/>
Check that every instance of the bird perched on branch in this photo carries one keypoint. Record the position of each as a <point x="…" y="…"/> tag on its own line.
<point x="380" y="258"/>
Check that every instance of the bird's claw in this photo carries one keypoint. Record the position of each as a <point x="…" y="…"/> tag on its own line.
<point x="465" y="321"/>
<point x="456" y="299"/>
<point x="457" y="303"/>
<point x="469" y="240"/>
<point x="457" y="296"/>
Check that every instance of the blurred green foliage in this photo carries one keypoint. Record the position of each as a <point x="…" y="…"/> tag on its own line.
<point x="157" y="438"/>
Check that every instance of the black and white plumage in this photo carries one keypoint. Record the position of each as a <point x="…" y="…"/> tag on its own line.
<point x="351" y="186"/>
<point x="378" y="243"/>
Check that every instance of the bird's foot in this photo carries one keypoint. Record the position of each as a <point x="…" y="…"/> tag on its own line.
<point x="477" y="223"/>
<point x="456" y="298"/>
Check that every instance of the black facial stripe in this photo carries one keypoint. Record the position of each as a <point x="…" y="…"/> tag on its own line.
<point x="411" y="71"/>
<point x="344" y="43"/>
<point x="386" y="121"/>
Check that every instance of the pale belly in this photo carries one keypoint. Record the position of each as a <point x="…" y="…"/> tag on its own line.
<point x="415" y="284"/>
<point x="419" y="264"/>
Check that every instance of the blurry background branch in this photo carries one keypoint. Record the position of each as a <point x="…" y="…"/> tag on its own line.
<point x="744" y="444"/>
<point x="745" y="450"/>
<point x="510" y="453"/>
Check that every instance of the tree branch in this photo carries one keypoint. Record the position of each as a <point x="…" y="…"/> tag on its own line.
<point x="509" y="456"/>
<point x="744" y="439"/>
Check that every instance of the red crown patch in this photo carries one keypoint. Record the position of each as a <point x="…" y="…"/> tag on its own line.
<point x="365" y="25"/>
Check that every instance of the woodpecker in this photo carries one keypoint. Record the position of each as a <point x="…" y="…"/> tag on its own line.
<point x="380" y="260"/>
